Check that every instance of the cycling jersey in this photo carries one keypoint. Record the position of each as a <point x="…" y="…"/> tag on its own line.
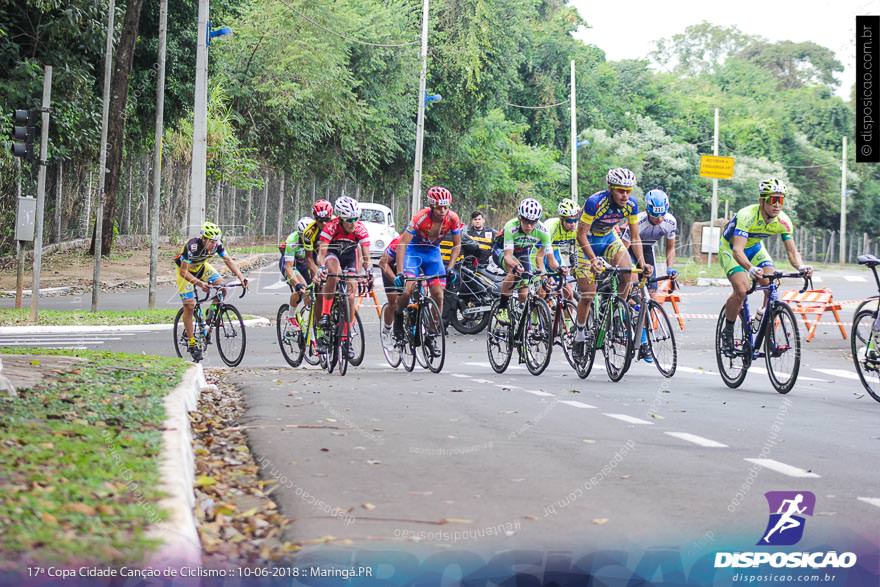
<point x="334" y="233"/>
<point x="564" y="241"/>
<point x="310" y="237"/>
<point x="749" y="223"/>
<point x="518" y="241"/>
<point x="603" y="214"/>
<point x="650" y="233"/>
<point x="421" y="227"/>
<point x="196" y="252"/>
<point x="391" y="249"/>
<point x="294" y="248"/>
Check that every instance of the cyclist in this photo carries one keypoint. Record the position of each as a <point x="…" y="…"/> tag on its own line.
<point x="418" y="251"/>
<point x="195" y="271"/>
<point x="294" y="266"/>
<point x="387" y="265"/>
<point x="527" y="245"/>
<point x="599" y="242"/>
<point x="563" y="236"/>
<point x="741" y="250"/>
<point x="337" y="252"/>
<point x="322" y="210"/>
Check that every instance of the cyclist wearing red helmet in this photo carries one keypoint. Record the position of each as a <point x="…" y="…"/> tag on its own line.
<point x="322" y="212"/>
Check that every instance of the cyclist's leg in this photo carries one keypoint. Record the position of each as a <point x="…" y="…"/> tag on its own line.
<point x="432" y="264"/>
<point x="616" y="254"/>
<point x="392" y="292"/>
<point x="529" y="265"/>
<point x="187" y="294"/>
<point x="329" y="288"/>
<point x="348" y="262"/>
<point x="586" y="278"/>
<point x="762" y="259"/>
<point x="739" y="281"/>
<point x="507" y="283"/>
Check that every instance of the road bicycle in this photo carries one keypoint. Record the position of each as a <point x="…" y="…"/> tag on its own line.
<point x="774" y="330"/>
<point x="342" y="344"/>
<point x="527" y="328"/>
<point x="424" y="337"/>
<point x="867" y="364"/>
<point x="221" y="319"/>
<point x="564" y="316"/>
<point x="651" y="324"/>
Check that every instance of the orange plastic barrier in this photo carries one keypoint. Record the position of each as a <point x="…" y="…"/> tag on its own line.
<point x="664" y="294"/>
<point x="814" y="301"/>
<point x="372" y="294"/>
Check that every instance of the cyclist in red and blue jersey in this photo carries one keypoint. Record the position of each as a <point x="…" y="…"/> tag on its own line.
<point x="388" y="265"/>
<point x="418" y="251"/>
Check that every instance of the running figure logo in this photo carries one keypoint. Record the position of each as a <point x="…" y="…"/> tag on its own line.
<point x="786" y="524"/>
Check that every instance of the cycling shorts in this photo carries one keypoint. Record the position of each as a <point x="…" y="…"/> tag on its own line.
<point x="606" y="246"/>
<point x="186" y="290"/>
<point x="756" y="254"/>
<point x="425" y="260"/>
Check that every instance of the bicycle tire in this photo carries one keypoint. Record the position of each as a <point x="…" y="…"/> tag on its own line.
<point x="392" y="354"/>
<point x="618" y="324"/>
<point x="310" y="355"/>
<point x="858" y="345"/>
<point x="358" y="341"/>
<point x="538" y="329"/>
<point x="179" y="333"/>
<point x="230" y="325"/>
<point x="664" y="327"/>
<point x="744" y="354"/>
<point x="782" y="312"/>
<point x="288" y="338"/>
<point x="408" y="349"/>
<point x="343" y="336"/>
<point x="583" y="362"/>
<point x="471" y="324"/>
<point x="431" y="333"/>
<point x="499" y="336"/>
<point x="563" y="335"/>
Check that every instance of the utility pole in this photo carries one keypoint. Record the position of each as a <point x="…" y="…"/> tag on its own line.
<point x="102" y="166"/>
<point x="200" y="122"/>
<point x="420" y="121"/>
<point x="714" y="215"/>
<point x="574" y="156"/>
<point x="19" y="246"/>
<point x="157" y="156"/>
<point x="843" y="204"/>
<point x="41" y="192"/>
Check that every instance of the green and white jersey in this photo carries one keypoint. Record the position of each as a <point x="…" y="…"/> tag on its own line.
<point x="521" y="243"/>
<point x="295" y="249"/>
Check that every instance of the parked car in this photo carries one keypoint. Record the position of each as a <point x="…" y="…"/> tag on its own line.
<point x="380" y="224"/>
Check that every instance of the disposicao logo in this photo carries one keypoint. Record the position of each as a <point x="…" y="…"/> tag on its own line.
<point x="787" y="511"/>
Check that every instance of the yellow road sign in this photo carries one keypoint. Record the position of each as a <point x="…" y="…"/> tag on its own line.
<point x="716" y="167"/>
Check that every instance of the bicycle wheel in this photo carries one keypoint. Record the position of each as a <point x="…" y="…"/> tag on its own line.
<point x="868" y="369"/>
<point x="584" y="353"/>
<point x="734" y="365"/>
<point x="407" y="348"/>
<point x="181" y="344"/>
<point x="538" y="337"/>
<point x="499" y="340"/>
<point x="782" y="348"/>
<point x="432" y="336"/>
<point x="468" y="318"/>
<point x="661" y="339"/>
<point x="357" y="341"/>
<point x="310" y="339"/>
<point x="617" y="345"/>
<point x="230" y="335"/>
<point x="389" y="348"/>
<point x="564" y="333"/>
<point x="290" y="337"/>
<point x="343" y="327"/>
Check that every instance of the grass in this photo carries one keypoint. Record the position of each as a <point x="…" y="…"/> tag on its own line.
<point x="254" y="249"/>
<point x="690" y="270"/>
<point x="21" y="317"/>
<point x="80" y="458"/>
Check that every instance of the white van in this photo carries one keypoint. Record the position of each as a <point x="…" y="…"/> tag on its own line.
<point x="380" y="224"/>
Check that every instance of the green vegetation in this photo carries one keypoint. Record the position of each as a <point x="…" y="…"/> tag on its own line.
<point x="21" y="317"/>
<point x="80" y="458"/>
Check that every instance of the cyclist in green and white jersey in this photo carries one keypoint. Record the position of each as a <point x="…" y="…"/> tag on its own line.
<point x="563" y="237"/>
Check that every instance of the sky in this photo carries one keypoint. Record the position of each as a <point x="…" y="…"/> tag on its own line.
<point x="629" y="29"/>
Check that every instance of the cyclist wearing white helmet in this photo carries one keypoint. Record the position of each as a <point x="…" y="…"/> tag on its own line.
<point x="293" y="265"/>
<point x="527" y="244"/>
<point x="195" y="271"/>
<point x="598" y="241"/>
<point x="741" y="251"/>
<point x="340" y="242"/>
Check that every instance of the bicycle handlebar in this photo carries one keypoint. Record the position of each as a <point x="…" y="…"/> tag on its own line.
<point x="216" y="288"/>
<point x="778" y="276"/>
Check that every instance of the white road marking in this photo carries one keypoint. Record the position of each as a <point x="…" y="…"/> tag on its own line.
<point x="277" y="285"/>
<point x="483" y="381"/>
<point x="460" y="376"/>
<point x="763" y="371"/>
<point x="64" y="341"/>
<point x="839" y="373"/>
<point x="577" y="404"/>
<point x="875" y="501"/>
<point x="487" y="366"/>
<point x="684" y="369"/>
<point x="779" y="467"/>
<point x="858" y="278"/>
<point x="696" y="439"/>
<point x="628" y="419"/>
<point x="538" y="392"/>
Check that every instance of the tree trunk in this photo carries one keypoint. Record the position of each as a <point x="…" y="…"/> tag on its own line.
<point x="265" y="203"/>
<point x="126" y="224"/>
<point x="280" y="208"/>
<point x="116" y="120"/>
<point x="58" y="198"/>
<point x="250" y="197"/>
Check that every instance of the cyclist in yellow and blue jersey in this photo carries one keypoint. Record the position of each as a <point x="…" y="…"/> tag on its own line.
<point x="563" y="236"/>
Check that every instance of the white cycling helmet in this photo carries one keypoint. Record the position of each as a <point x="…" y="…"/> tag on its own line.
<point x="304" y="223"/>
<point x="621" y="176"/>
<point x="567" y="208"/>
<point x="771" y="185"/>
<point x="346" y="207"/>
<point x="530" y="209"/>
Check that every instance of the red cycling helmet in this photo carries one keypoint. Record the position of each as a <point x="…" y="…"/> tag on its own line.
<point x="439" y="196"/>
<point x="322" y="209"/>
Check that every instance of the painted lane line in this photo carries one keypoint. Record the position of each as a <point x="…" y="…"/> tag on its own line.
<point x="696" y="439"/>
<point x="858" y="278"/>
<point x="486" y="381"/>
<point x="538" y="392"/>
<point x="839" y="373"/>
<point x="486" y="365"/>
<point x="763" y="371"/>
<point x="875" y="501"/>
<point x="628" y="419"/>
<point x="779" y="467"/>
<point x="63" y="341"/>
<point x="577" y="404"/>
<point x="697" y="371"/>
<point x="460" y="376"/>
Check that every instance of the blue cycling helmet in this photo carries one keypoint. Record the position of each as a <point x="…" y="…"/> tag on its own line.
<point x="656" y="202"/>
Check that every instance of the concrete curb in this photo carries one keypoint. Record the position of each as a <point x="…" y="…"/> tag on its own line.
<point x="252" y="322"/>
<point x="180" y="538"/>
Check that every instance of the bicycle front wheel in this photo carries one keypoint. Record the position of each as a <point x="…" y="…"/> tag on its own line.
<point x="433" y="337"/>
<point x="782" y="348"/>
<point x="733" y="363"/>
<point x="290" y="337"/>
<point x="390" y="349"/>
<point x="230" y="334"/>
<point x="564" y="330"/>
<point x="618" y="342"/>
<point x="181" y="345"/>
<point x="661" y="339"/>
<point x="538" y="337"/>
<point x="499" y="340"/>
<point x="407" y="348"/>
<point x="342" y="324"/>
<point x="868" y="369"/>
<point x="310" y="337"/>
<point x="357" y="341"/>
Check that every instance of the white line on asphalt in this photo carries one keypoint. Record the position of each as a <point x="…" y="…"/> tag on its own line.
<point x="34" y="339"/>
<point x="538" y="392"/>
<point x="875" y="501"/>
<point x="577" y="404"/>
<point x="684" y="369"/>
<point x="54" y="342"/>
<point x="839" y="373"/>
<point x="486" y="365"/>
<point x="40" y="335"/>
<point x="461" y="376"/>
<point x="763" y="371"/>
<point x="483" y="381"/>
<point x="696" y="439"/>
<point x="628" y="419"/>
<point x="276" y="285"/>
<point x="774" y="465"/>
<point x="859" y="278"/>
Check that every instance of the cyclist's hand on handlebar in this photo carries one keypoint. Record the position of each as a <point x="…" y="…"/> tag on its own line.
<point x="205" y="286"/>
<point x="322" y="273"/>
<point x="671" y="272"/>
<point x="756" y="272"/>
<point x="564" y="271"/>
<point x="597" y="264"/>
<point x="806" y="270"/>
<point x="518" y="269"/>
<point x="398" y="280"/>
<point x="648" y="269"/>
<point x="244" y="282"/>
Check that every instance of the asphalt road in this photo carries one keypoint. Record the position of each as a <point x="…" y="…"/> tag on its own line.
<point x="473" y="460"/>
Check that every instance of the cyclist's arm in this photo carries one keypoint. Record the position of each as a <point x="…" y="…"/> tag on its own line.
<point x="385" y="266"/>
<point x="794" y="256"/>
<point x="288" y="268"/>
<point x="322" y="253"/>
<point x="737" y="244"/>
<point x="233" y="266"/>
<point x="187" y="276"/>
<point x="368" y="261"/>
<point x="637" y="242"/>
<point x="402" y="245"/>
<point x="454" y="253"/>
<point x="670" y="252"/>
<point x="583" y="242"/>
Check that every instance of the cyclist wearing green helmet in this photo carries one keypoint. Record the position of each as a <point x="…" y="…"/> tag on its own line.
<point x="195" y="271"/>
<point x="563" y="237"/>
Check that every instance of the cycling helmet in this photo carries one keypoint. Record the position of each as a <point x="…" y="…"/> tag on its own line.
<point x="620" y="176"/>
<point x="304" y="223"/>
<point x="347" y="207"/>
<point x="656" y="202"/>
<point x="530" y="209"/>
<point x="439" y="196"/>
<point x="567" y="208"/>
<point x="771" y="185"/>
<point x="322" y="209"/>
<point x="211" y="231"/>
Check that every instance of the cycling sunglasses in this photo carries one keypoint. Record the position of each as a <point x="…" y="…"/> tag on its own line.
<point x="570" y="220"/>
<point x="775" y="199"/>
<point x="350" y="220"/>
<point x="621" y="188"/>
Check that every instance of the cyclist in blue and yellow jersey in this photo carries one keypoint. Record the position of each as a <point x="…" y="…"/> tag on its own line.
<point x="193" y="270"/>
<point x="598" y="240"/>
<point x="563" y="236"/>
<point x="741" y="251"/>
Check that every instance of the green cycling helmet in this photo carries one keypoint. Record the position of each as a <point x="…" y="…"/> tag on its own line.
<point x="567" y="208"/>
<point x="211" y="231"/>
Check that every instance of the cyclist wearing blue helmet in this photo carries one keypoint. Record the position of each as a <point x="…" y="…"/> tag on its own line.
<point x="655" y="223"/>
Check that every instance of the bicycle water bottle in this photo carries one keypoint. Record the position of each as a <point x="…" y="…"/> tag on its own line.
<point x="210" y="314"/>
<point x="756" y="321"/>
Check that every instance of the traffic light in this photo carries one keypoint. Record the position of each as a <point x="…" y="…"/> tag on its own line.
<point x="24" y="133"/>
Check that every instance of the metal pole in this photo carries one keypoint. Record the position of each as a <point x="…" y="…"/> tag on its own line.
<point x="200" y="122"/>
<point x="41" y="192"/>
<point x="58" y="192"/>
<point x="843" y="204"/>
<point x="280" y="217"/>
<point x="420" y="121"/>
<point x="157" y="156"/>
<point x="574" y="157"/>
<point x="102" y="165"/>
<point x="714" y="214"/>
<point x="19" y="246"/>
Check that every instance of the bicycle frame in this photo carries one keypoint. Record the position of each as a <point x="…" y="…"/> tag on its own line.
<point x="770" y="301"/>
<point x="644" y="296"/>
